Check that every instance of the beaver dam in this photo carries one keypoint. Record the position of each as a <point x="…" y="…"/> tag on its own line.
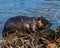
<point x="24" y="32"/>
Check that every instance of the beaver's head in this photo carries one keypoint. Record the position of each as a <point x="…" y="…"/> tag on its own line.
<point x="42" y="23"/>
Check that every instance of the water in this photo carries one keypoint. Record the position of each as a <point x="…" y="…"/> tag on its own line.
<point x="30" y="8"/>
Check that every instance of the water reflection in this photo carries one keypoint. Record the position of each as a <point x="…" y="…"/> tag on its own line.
<point x="32" y="8"/>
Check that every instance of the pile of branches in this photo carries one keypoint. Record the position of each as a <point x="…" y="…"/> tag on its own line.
<point x="41" y="39"/>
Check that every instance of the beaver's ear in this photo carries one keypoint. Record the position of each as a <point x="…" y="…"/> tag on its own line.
<point x="39" y="18"/>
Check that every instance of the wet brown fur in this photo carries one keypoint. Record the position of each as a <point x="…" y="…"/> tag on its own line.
<point x="20" y="22"/>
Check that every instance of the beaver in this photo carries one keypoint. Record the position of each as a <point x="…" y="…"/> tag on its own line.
<point x="23" y="23"/>
<point x="43" y="23"/>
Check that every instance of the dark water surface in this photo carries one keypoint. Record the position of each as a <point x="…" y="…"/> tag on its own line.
<point x="31" y="8"/>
